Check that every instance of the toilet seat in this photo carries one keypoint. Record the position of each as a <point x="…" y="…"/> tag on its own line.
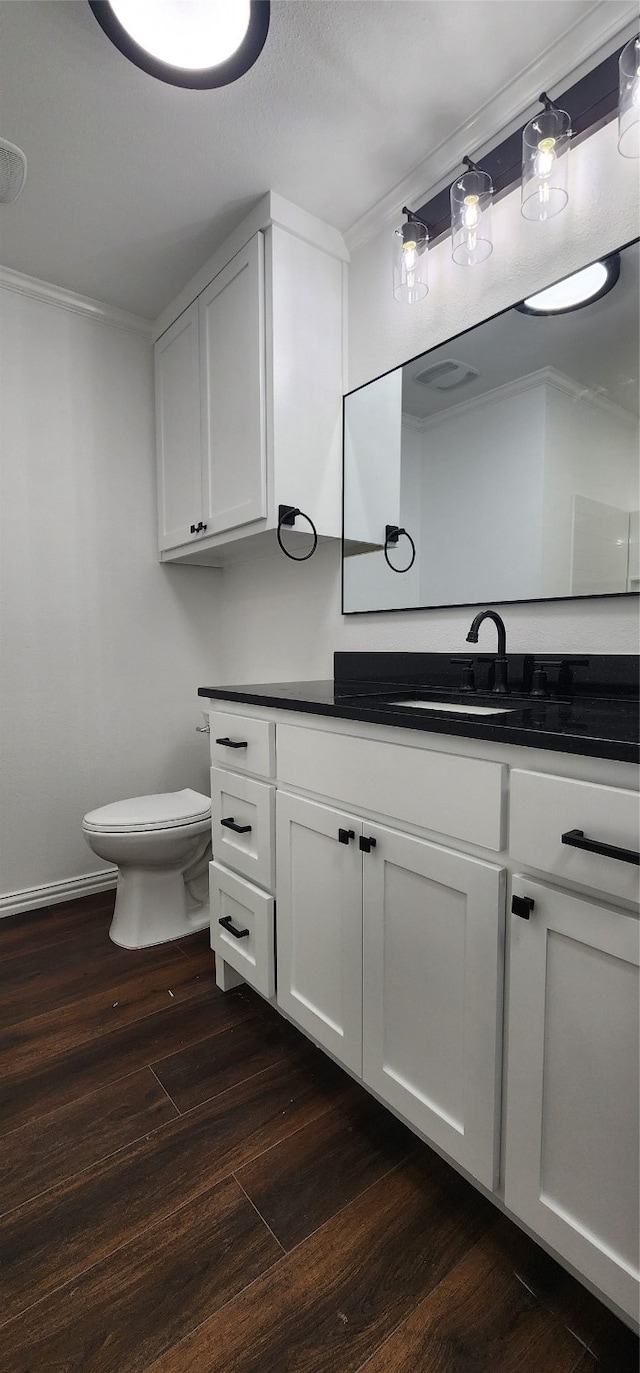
<point x="140" y="814"/>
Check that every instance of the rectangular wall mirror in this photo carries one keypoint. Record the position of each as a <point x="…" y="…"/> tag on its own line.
<point x="508" y="454"/>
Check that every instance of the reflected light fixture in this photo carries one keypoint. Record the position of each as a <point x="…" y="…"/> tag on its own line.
<point x="546" y="140"/>
<point x="411" y="260"/>
<point x="471" y="200"/>
<point x="629" y="103"/>
<point x="199" y="44"/>
<point x="575" y="291"/>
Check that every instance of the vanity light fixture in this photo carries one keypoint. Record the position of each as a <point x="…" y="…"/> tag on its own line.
<point x="575" y="291"/>
<point x="546" y="140"/>
<point x="471" y="201"/>
<point x="629" y="102"/>
<point x="194" y="43"/>
<point x="411" y="260"/>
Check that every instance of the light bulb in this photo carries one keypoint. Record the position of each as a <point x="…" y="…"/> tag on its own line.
<point x="470" y="220"/>
<point x="545" y="159"/>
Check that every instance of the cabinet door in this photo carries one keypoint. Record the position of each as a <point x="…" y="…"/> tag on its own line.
<point x="572" y="1143"/>
<point x="178" y="431"/>
<point x="319" y="924"/>
<point x="432" y="993"/>
<point x="232" y="382"/>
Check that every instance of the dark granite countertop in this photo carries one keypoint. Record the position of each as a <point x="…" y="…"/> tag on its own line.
<point x="598" y="726"/>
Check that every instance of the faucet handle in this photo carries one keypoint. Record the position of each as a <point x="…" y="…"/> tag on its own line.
<point x="539" y="681"/>
<point x="468" y="682"/>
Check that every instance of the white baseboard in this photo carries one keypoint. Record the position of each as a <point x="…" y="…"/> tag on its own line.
<point x="14" y="903"/>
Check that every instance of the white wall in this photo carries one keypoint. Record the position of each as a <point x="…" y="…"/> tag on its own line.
<point x="591" y="450"/>
<point x="284" y="622"/>
<point x="101" y="648"/>
<point x="484" y="460"/>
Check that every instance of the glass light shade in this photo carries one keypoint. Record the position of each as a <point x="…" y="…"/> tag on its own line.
<point x="545" y="164"/>
<point x="629" y="104"/>
<point x="471" y="201"/>
<point x="411" y="262"/>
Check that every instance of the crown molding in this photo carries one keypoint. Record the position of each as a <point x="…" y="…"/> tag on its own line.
<point x="68" y="300"/>
<point x="592" y="38"/>
<point x="544" y="376"/>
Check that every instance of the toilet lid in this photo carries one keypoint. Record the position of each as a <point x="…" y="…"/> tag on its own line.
<point x="163" y="811"/>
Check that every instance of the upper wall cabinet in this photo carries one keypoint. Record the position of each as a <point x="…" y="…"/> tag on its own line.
<point x="249" y="382"/>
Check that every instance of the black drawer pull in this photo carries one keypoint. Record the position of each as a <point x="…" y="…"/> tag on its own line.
<point x="367" y="843"/>
<point x="232" y="743"/>
<point x="227" y="924"/>
<point x="230" y="824"/>
<point x="576" y="840"/>
<point x="522" y="906"/>
<point x="345" y="835"/>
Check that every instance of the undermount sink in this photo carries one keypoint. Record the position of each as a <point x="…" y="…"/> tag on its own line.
<point x="451" y="707"/>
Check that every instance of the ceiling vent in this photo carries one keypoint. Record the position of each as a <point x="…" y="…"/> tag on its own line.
<point x="13" y="172"/>
<point x="443" y="376"/>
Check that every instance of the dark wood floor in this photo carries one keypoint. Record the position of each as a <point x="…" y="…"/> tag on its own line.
<point x="188" y="1186"/>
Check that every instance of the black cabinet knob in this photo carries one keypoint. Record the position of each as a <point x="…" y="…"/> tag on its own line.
<point x="522" y="906"/>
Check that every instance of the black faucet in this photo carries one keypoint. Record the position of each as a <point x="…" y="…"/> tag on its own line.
<point x="501" y="681"/>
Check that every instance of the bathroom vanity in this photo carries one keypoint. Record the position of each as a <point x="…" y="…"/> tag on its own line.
<point x="456" y="919"/>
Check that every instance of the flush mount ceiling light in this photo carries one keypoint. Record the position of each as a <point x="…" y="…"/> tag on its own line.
<point x="471" y="199"/>
<point x="576" y="291"/>
<point x="546" y="140"/>
<point x="411" y="260"/>
<point x="194" y="43"/>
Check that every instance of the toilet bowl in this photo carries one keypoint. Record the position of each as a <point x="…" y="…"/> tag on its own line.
<point x="161" y="845"/>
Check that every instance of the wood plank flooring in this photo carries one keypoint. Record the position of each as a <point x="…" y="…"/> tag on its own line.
<point x="189" y="1186"/>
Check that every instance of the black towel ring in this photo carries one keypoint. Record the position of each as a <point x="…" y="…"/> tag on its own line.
<point x="392" y="534"/>
<point x="287" y="516"/>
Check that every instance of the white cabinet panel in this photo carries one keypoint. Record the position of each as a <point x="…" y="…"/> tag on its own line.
<point x="456" y="796"/>
<point x="232" y="387"/>
<point x="178" y="430"/>
<point x="543" y="808"/>
<point x="242" y="928"/>
<point x="432" y="989"/>
<point x="572" y="1140"/>
<point x="242" y="825"/>
<point x="320" y="925"/>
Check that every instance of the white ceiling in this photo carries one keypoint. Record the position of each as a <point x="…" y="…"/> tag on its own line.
<point x="132" y="183"/>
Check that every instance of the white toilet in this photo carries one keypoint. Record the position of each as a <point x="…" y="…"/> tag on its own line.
<point x="161" y="846"/>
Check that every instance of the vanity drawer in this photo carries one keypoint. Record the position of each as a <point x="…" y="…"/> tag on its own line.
<point x="452" y="795"/>
<point x="543" y="808"/>
<point x="249" y="806"/>
<point x="242" y="928"/>
<point x="241" y="743"/>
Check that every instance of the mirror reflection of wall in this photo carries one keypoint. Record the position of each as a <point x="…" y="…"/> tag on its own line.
<point x="511" y="456"/>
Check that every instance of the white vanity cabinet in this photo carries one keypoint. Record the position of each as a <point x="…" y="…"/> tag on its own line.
<point x="249" y="382"/>
<point x="512" y="1047"/>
